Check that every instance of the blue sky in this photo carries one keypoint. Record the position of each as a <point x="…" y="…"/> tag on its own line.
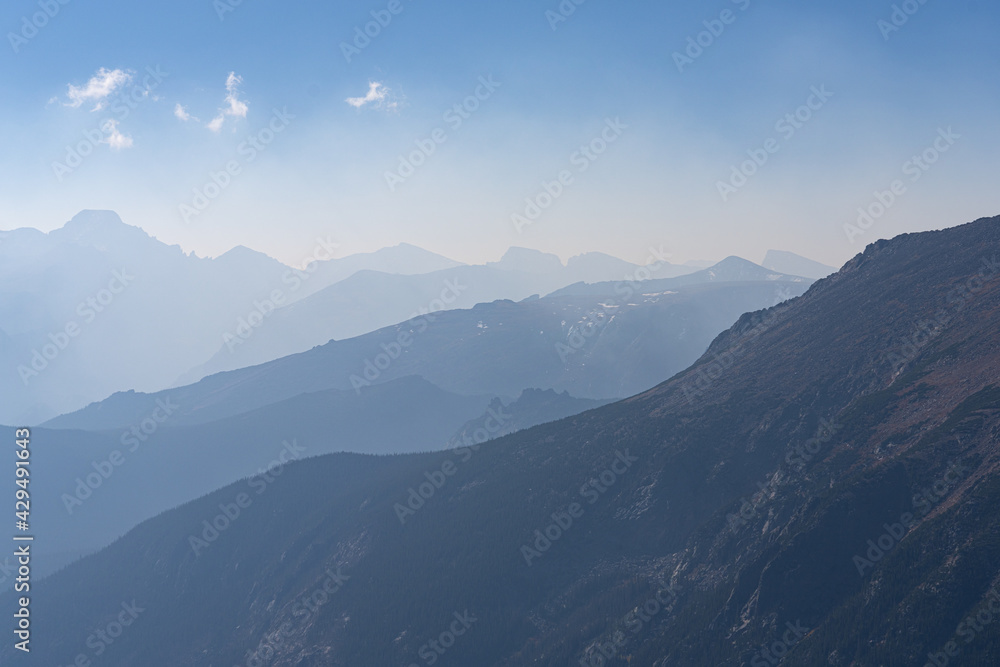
<point x="656" y="183"/>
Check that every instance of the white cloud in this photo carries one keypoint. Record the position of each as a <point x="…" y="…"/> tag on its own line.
<point x="378" y="95"/>
<point x="236" y="107"/>
<point x="116" y="140"/>
<point x="98" y="89"/>
<point x="182" y="113"/>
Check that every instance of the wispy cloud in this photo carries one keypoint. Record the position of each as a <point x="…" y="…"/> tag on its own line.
<point x="235" y="106"/>
<point x="116" y="140"/>
<point x="182" y="114"/>
<point x="378" y="97"/>
<point x="98" y="88"/>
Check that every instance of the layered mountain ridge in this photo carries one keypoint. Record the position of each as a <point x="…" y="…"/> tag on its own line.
<point x="822" y="479"/>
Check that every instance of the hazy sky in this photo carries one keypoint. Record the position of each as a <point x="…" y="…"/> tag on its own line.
<point x="673" y="128"/>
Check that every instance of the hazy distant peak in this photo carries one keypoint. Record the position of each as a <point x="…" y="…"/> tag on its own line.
<point x="789" y="262"/>
<point x="22" y="235"/>
<point x="400" y="259"/>
<point x="734" y="263"/>
<point x="93" y="221"/>
<point x="601" y="259"/>
<point x="99" y="229"/>
<point x="735" y="268"/>
<point x="528" y="260"/>
<point x="593" y="255"/>
<point x="243" y="253"/>
<point x="735" y="260"/>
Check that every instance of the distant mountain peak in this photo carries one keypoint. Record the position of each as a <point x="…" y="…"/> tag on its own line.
<point x="737" y="268"/>
<point x="734" y="261"/>
<point x="241" y="252"/>
<point x="594" y="254"/>
<point x="95" y="217"/>
<point x="96" y="221"/>
<point x="788" y="262"/>
<point x="99" y="229"/>
<point x="528" y="260"/>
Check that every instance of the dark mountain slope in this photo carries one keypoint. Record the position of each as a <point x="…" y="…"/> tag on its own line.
<point x="661" y="556"/>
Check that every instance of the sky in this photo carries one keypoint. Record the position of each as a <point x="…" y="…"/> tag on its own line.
<point x="608" y="126"/>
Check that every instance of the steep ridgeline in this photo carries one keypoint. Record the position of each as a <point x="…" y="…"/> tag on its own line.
<point x="867" y="410"/>
<point x="592" y="346"/>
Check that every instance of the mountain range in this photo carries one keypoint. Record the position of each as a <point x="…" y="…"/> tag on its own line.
<point x="591" y="346"/>
<point x="419" y="386"/>
<point x="98" y="306"/>
<point x="817" y="488"/>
